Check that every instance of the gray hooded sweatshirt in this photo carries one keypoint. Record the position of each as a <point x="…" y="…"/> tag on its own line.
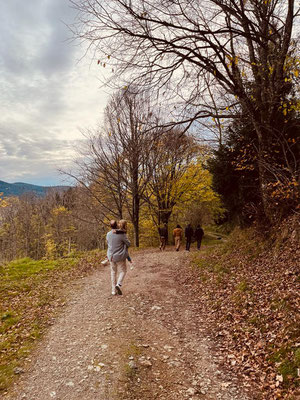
<point x="117" y="246"/>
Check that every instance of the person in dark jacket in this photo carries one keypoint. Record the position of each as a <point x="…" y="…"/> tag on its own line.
<point x="188" y="236"/>
<point x="163" y="234"/>
<point x="199" y="235"/>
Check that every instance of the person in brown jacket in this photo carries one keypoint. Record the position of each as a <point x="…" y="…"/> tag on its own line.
<point x="177" y="233"/>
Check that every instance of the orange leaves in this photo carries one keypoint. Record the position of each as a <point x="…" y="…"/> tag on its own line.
<point x="284" y="190"/>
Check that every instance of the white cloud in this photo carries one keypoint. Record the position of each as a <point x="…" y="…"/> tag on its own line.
<point x="46" y="94"/>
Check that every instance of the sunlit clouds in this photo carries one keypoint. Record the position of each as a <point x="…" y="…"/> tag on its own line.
<point x="48" y="91"/>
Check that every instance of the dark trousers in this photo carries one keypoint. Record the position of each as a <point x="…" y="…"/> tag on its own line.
<point x="199" y="243"/>
<point x="163" y="242"/>
<point x="188" y="243"/>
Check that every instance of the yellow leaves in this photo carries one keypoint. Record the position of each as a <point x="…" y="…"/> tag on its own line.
<point x="59" y="210"/>
<point x="289" y="106"/>
<point x="50" y="247"/>
<point x="232" y="60"/>
<point x="3" y="202"/>
<point x="196" y="185"/>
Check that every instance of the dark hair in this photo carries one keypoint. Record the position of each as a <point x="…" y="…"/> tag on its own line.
<point x="113" y="224"/>
<point x="178" y="226"/>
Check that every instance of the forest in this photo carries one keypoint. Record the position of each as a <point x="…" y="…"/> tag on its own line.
<point x="205" y="129"/>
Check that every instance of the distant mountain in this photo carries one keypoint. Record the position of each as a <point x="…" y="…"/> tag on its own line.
<point x="19" y="188"/>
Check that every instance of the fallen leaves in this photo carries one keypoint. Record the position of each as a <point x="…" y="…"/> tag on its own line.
<point x="251" y="296"/>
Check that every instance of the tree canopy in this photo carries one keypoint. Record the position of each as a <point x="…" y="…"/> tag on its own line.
<point x="215" y="59"/>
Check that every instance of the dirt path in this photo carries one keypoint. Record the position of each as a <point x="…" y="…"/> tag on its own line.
<point x="150" y="343"/>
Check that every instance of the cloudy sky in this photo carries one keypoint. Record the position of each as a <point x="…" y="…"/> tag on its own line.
<point x="48" y="91"/>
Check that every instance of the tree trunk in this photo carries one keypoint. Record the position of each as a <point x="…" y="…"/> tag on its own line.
<point x="136" y="218"/>
<point x="264" y="136"/>
<point x="164" y="217"/>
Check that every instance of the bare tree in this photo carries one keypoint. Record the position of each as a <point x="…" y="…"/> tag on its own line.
<point x="98" y="172"/>
<point x="130" y="120"/>
<point x="242" y="48"/>
<point x="170" y="158"/>
<point x="114" y="168"/>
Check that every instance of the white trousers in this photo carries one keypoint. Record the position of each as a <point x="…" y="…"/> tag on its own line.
<point x="114" y="266"/>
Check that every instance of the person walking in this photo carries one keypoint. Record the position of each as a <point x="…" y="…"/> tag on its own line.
<point x="122" y="228"/>
<point x="188" y="233"/>
<point x="177" y="234"/>
<point x="199" y="233"/>
<point x="163" y="235"/>
<point x="117" y="252"/>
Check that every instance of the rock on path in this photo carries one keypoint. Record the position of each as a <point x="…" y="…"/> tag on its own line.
<point x="150" y="343"/>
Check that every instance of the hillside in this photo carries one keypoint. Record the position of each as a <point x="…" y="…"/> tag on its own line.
<point x="19" y="188"/>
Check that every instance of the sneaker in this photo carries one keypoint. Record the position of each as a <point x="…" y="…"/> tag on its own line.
<point x="104" y="262"/>
<point x="113" y="293"/>
<point x="131" y="266"/>
<point x="118" y="289"/>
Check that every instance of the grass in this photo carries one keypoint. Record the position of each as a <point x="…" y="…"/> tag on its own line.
<point x="31" y="293"/>
<point x="288" y="361"/>
<point x="131" y="351"/>
<point x="243" y="286"/>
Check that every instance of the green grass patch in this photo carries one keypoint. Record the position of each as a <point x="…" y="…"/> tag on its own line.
<point x="243" y="286"/>
<point x="31" y="292"/>
<point x="131" y="351"/>
<point x="288" y="361"/>
<point x="8" y="319"/>
<point x="212" y="239"/>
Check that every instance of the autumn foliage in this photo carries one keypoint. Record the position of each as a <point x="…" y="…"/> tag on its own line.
<point x="249" y="290"/>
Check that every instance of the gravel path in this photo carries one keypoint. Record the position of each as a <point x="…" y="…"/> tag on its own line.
<point x="150" y="343"/>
